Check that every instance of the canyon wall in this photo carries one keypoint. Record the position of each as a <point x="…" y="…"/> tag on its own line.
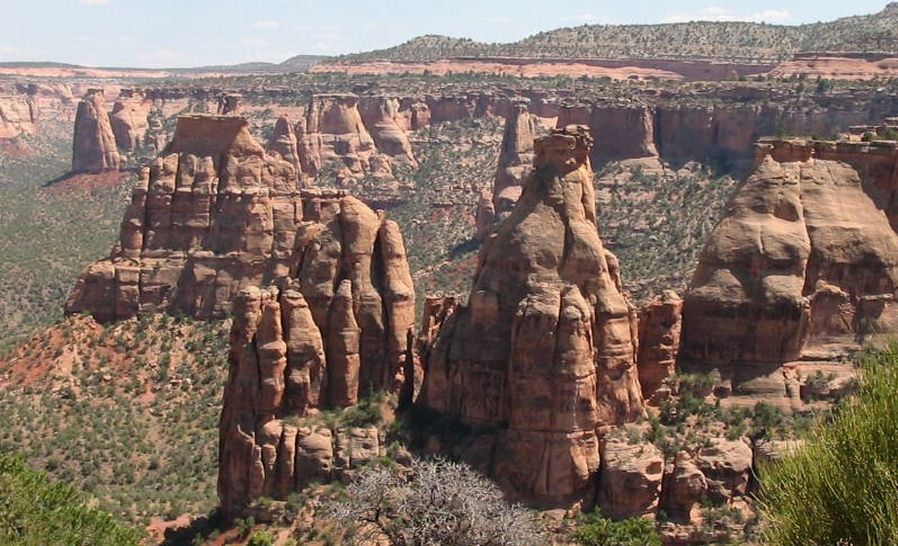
<point x="492" y="363"/>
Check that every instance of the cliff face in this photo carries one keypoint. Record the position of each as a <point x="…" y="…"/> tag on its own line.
<point x="341" y="326"/>
<point x="283" y="142"/>
<point x="806" y="259"/>
<point x="94" y="148"/>
<point x="544" y="351"/>
<point x="212" y="214"/>
<point x="515" y="159"/>
<point x="129" y="120"/>
<point x="18" y="116"/>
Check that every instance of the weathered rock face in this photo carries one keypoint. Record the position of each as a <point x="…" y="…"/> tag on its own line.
<point x="659" y="341"/>
<point x="18" y="116"/>
<point x="631" y="476"/>
<point x="129" y="119"/>
<point x="340" y="327"/>
<point x="283" y="142"/>
<point x="334" y="130"/>
<point x="93" y="148"/>
<point x="545" y="349"/>
<point x="515" y="159"/>
<point x="213" y="214"/>
<point x="805" y="258"/>
<point x="383" y="120"/>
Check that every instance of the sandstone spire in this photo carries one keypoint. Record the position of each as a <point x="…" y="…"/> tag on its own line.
<point x="283" y="142"/>
<point x="544" y="350"/>
<point x="515" y="158"/>
<point x="93" y="148"/>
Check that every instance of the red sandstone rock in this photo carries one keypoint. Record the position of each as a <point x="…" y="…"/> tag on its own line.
<point x="305" y="346"/>
<point x="631" y="476"/>
<point x="334" y="131"/>
<point x="806" y="256"/>
<point x="129" y="120"/>
<point x="515" y="159"/>
<point x="211" y="215"/>
<point x="545" y="347"/>
<point x="93" y="148"/>
<point x="659" y="341"/>
<point x="382" y="119"/>
<point x="283" y="142"/>
<point x="229" y="104"/>
<point x="18" y="116"/>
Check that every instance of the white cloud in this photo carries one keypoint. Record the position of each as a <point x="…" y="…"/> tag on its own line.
<point x="266" y="25"/>
<point x="715" y="13"/>
<point x="95" y="2"/>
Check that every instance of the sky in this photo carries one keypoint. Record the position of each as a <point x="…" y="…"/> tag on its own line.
<point x="185" y="33"/>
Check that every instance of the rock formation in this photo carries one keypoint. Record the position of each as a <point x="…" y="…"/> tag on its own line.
<point x="283" y="142"/>
<point x="805" y="260"/>
<point x="659" y="341"/>
<point x="383" y="120"/>
<point x="515" y="159"/>
<point x="93" y="148"/>
<point x="544" y="351"/>
<point x="341" y="326"/>
<point x="211" y="215"/>
<point x="129" y="119"/>
<point x="230" y="104"/>
<point x="18" y="116"/>
<point x="334" y="131"/>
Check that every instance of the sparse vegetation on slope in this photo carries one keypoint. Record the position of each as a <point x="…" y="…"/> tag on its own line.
<point x="733" y="41"/>
<point x="128" y="413"/>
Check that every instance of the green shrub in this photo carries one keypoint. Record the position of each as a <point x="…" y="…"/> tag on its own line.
<point x="598" y="531"/>
<point x="35" y="511"/>
<point x="261" y="538"/>
<point x="842" y="487"/>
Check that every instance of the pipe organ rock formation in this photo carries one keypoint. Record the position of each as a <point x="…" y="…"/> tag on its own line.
<point x="212" y="214"/>
<point x="93" y="148"/>
<point x="805" y="260"/>
<point x="340" y="326"/>
<point x="544" y="351"/>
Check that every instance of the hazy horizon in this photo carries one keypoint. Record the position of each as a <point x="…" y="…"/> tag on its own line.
<point x="189" y="33"/>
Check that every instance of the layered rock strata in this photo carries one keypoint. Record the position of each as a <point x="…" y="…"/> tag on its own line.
<point x="544" y="351"/>
<point x="93" y="147"/>
<point x="211" y="215"/>
<point x="341" y="326"/>
<point x="804" y="262"/>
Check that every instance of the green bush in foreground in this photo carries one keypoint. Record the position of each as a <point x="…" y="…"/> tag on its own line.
<point x="598" y="531"/>
<point x="842" y="487"/>
<point x="37" y="512"/>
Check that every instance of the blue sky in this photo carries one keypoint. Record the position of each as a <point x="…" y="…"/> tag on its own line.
<point x="178" y="33"/>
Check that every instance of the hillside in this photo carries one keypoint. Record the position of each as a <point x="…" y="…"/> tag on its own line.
<point x="36" y="510"/>
<point x="730" y="41"/>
